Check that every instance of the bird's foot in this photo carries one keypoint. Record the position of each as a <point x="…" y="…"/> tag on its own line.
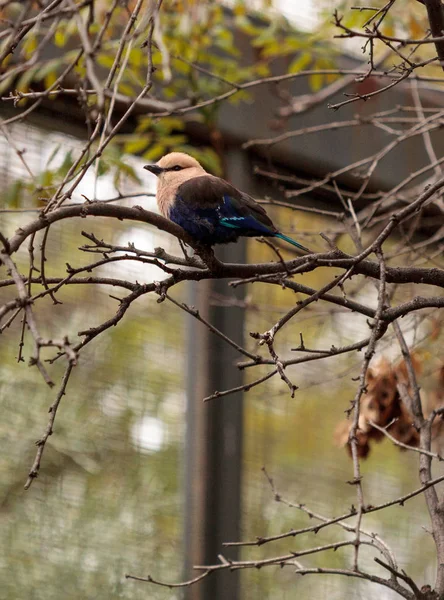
<point x="206" y="253"/>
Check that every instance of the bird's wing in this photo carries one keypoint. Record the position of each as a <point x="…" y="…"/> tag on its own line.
<point x="235" y="208"/>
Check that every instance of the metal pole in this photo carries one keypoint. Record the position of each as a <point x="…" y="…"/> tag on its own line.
<point x="214" y="429"/>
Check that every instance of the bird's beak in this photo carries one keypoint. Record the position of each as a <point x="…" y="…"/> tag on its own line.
<point x="155" y="169"/>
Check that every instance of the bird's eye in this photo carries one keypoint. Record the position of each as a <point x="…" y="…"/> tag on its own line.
<point x="176" y="168"/>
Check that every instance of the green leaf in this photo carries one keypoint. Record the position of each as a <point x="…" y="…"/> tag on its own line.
<point x="244" y="24"/>
<point x="267" y="35"/>
<point x="46" y="178"/>
<point x="66" y="164"/>
<point x="129" y="172"/>
<point x="46" y="69"/>
<point x="227" y="47"/>
<point x="25" y="80"/>
<point x="206" y="156"/>
<point x="13" y="194"/>
<point x="6" y="85"/>
<point x="104" y="167"/>
<point x="52" y="155"/>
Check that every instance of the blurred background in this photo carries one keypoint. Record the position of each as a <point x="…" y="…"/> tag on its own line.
<point x="140" y="476"/>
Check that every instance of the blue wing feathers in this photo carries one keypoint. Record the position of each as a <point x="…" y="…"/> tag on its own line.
<point x="213" y="225"/>
<point x="213" y="212"/>
<point x="231" y="217"/>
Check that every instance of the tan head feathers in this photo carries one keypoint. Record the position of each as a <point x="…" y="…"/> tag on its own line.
<point x="172" y="171"/>
<point x="180" y="159"/>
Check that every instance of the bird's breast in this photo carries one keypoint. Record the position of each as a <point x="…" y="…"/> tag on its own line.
<point x="165" y="200"/>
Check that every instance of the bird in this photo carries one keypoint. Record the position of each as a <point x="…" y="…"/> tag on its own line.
<point x="208" y="208"/>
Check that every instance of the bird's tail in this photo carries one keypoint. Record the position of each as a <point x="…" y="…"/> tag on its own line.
<point x="292" y="242"/>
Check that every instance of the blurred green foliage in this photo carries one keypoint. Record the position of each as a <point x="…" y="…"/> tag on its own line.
<point x="199" y="50"/>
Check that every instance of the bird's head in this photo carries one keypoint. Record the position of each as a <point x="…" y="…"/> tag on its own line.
<point x="171" y="165"/>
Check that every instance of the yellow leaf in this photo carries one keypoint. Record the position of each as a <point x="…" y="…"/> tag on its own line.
<point x="300" y="62"/>
<point x="388" y="30"/>
<point x="60" y="37"/>
<point x="155" y="152"/>
<point x="30" y="45"/>
<point x="415" y="29"/>
<point x="262" y="69"/>
<point x="50" y="79"/>
<point x="316" y="82"/>
<point x="239" y="10"/>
